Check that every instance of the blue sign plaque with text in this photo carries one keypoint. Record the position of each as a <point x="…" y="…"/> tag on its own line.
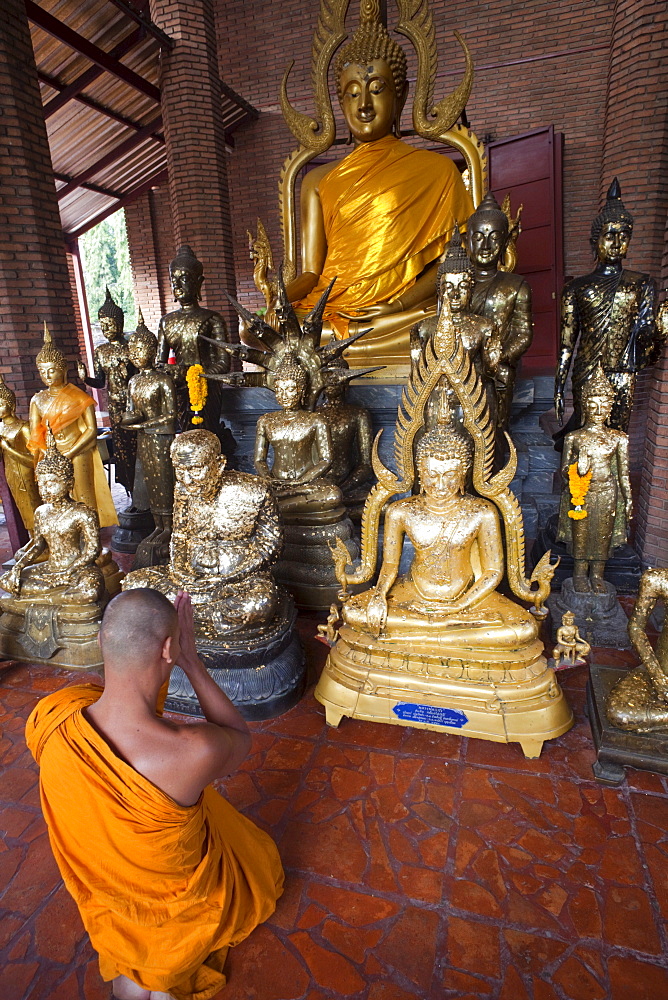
<point x="433" y="715"/>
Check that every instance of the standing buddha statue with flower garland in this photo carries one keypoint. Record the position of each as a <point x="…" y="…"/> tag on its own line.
<point x="595" y="469"/>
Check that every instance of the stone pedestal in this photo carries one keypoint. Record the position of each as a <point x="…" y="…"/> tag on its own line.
<point x="263" y="675"/>
<point x="599" y="617"/>
<point x="133" y="526"/>
<point x="306" y="567"/>
<point x="623" y="569"/>
<point x="616" y="749"/>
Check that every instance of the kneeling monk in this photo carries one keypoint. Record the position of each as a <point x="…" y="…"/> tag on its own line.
<point x="167" y="875"/>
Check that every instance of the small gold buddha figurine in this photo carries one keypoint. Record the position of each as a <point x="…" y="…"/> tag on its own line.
<point x="19" y="463"/>
<point x="570" y="647"/>
<point x="112" y="370"/>
<point x="194" y="335"/>
<point x="439" y="647"/>
<point x="225" y="539"/>
<point x="607" y="316"/>
<point x="595" y="458"/>
<point x="151" y="412"/>
<point x="379" y="218"/>
<point x="501" y="296"/>
<point x="70" y="413"/>
<point x="55" y="604"/>
<point x="639" y="701"/>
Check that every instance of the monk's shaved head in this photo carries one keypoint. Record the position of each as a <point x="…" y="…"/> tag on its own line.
<point x="136" y="624"/>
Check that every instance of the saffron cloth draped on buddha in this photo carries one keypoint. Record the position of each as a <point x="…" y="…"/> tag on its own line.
<point x="389" y="210"/>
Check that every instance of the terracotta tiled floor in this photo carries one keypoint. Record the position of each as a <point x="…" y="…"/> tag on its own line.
<point x="418" y="865"/>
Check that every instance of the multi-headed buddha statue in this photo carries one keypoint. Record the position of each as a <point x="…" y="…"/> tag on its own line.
<point x="19" y="463"/>
<point x="61" y="580"/>
<point x="378" y="219"/>
<point x="502" y="297"/>
<point x="193" y="335"/>
<point x="112" y="370"/>
<point x="440" y="647"/>
<point x="70" y="414"/>
<point x="607" y="316"/>
<point x="595" y="471"/>
<point x="226" y="537"/>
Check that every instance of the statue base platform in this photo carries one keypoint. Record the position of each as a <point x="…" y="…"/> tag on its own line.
<point x="306" y="567"/>
<point x="616" y="748"/>
<point x="511" y="698"/>
<point x="623" y="569"/>
<point x="60" y="635"/>
<point x="133" y="526"/>
<point x="264" y="675"/>
<point x="599" y="617"/>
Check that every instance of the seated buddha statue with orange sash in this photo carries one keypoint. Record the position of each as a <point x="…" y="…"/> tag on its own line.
<point x="379" y="219"/>
<point x="70" y="413"/>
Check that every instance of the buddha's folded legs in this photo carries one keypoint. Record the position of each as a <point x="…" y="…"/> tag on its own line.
<point x="634" y="705"/>
<point x="84" y="587"/>
<point x="495" y="623"/>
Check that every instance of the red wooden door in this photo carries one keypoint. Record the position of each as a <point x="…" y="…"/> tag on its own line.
<point x="528" y="167"/>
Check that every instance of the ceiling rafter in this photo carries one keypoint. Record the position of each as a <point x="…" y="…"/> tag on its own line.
<point x="75" y="41"/>
<point x="115" y="154"/>
<point x="154" y="181"/>
<point x="84" y="80"/>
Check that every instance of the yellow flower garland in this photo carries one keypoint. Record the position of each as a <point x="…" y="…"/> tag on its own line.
<point x="197" y="389"/>
<point x="579" y="487"/>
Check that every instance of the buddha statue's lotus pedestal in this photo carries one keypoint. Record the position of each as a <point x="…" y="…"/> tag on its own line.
<point x="504" y="695"/>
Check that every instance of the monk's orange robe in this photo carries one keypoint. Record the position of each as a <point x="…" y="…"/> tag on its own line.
<point x="163" y="890"/>
<point x="389" y="210"/>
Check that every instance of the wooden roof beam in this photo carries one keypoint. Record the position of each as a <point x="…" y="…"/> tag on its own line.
<point x="111" y="157"/>
<point x="154" y="181"/>
<point x="73" y="89"/>
<point x="96" y="188"/>
<point x="96" y="55"/>
<point x="89" y="102"/>
<point x="131" y="10"/>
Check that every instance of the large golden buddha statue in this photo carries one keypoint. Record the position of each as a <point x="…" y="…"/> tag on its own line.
<point x="70" y="414"/>
<point x="439" y="647"/>
<point x="378" y="219"/>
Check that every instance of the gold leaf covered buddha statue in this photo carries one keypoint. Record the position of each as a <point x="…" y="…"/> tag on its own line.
<point x="225" y="540"/>
<point x="70" y="413"/>
<point x="607" y="316"/>
<point x="378" y="219"/>
<point x="440" y="647"/>
<point x="112" y="370"/>
<point x="598" y="456"/>
<point x="639" y="701"/>
<point x="19" y="463"/>
<point x="60" y="581"/>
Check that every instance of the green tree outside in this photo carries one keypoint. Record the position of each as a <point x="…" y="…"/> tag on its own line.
<point x="105" y="257"/>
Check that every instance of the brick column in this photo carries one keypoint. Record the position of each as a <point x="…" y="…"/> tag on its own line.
<point x="636" y="150"/>
<point x="34" y="278"/>
<point x="195" y="142"/>
<point x="151" y="243"/>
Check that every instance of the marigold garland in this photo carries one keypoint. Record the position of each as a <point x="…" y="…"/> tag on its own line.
<point x="197" y="389"/>
<point x="579" y="487"/>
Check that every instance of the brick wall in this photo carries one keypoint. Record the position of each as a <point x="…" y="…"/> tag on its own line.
<point x="34" y="278"/>
<point x="561" y="86"/>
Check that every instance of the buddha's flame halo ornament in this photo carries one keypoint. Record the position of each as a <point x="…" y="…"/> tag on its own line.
<point x="446" y="356"/>
<point x="436" y="122"/>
